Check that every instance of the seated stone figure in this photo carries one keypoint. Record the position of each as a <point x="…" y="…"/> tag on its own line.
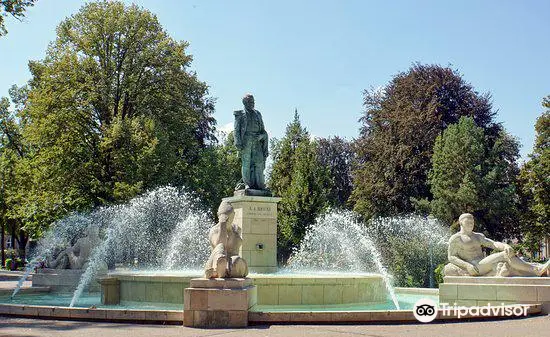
<point x="466" y="257"/>
<point x="76" y="256"/>
<point x="225" y="239"/>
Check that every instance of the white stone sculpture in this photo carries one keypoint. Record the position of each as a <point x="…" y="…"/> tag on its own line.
<point x="76" y="256"/>
<point x="466" y="257"/>
<point x="226" y="240"/>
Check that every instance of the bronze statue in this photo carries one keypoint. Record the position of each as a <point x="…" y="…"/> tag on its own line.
<point x="252" y="141"/>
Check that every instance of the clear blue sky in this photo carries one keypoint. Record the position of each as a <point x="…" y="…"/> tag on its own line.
<point x="318" y="56"/>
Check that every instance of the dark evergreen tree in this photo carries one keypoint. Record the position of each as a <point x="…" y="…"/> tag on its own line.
<point x="301" y="181"/>
<point x="471" y="175"/>
<point x="336" y="155"/>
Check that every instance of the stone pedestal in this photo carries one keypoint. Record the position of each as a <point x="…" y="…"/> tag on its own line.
<point x="481" y="290"/>
<point x="257" y="218"/>
<point x="62" y="280"/>
<point x="110" y="290"/>
<point x="218" y="303"/>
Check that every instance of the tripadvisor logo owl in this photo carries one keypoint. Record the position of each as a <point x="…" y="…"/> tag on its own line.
<point x="425" y="310"/>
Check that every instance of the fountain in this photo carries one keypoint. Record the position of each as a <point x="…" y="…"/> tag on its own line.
<point x="136" y="230"/>
<point x="337" y="242"/>
<point x="156" y="246"/>
<point x="338" y="268"/>
<point x="130" y="231"/>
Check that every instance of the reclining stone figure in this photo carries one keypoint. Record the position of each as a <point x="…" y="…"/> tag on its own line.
<point x="466" y="256"/>
<point x="77" y="256"/>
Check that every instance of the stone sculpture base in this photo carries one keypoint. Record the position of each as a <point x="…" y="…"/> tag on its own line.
<point x="257" y="218"/>
<point x="62" y="280"/>
<point x="252" y="192"/>
<point x="110" y="290"/>
<point x="481" y="290"/>
<point x="218" y="303"/>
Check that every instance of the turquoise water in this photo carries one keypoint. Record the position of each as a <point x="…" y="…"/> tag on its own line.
<point x="85" y="301"/>
<point x="406" y="302"/>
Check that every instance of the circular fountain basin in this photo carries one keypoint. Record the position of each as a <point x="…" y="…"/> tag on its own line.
<point x="319" y="288"/>
<point x="273" y="289"/>
<point x="89" y="307"/>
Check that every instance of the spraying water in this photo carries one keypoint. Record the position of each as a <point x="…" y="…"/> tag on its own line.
<point x="163" y="228"/>
<point x="337" y="242"/>
<point x="411" y="246"/>
<point x="138" y="233"/>
<point x="60" y="235"/>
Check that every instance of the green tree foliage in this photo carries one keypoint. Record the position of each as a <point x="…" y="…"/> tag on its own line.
<point x="336" y="155"/>
<point x="399" y="127"/>
<point x="283" y="152"/>
<point x="113" y="110"/>
<point x="12" y="151"/>
<point x="15" y="8"/>
<point x="534" y="180"/>
<point x="301" y="181"/>
<point x="472" y="174"/>
<point x="218" y="171"/>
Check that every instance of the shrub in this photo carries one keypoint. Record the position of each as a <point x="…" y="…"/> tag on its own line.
<point x="439" y="273"/>
<point x="10" y="264"/>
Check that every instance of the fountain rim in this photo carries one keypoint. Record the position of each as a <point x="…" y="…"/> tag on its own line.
<point x="176" y="317"/>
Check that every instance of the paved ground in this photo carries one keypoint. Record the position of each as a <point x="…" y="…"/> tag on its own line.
<point x="19" y="327"/>
<point x="22" y="327"/>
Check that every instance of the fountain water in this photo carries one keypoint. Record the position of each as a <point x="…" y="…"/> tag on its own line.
<point x="337" y="241"/>
<point x="164" y="230"/>
<point x="59" y="236"/>
<point x="411" y="246"/>
<point x="139" y="229"/>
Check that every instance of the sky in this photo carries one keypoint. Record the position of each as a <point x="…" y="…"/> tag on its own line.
<point x="319" y="56"/>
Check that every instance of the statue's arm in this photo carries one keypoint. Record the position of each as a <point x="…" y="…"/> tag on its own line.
<point x="237" y="132"/>
<point x="75" y="249"/>
<point x="218" y="234"/>
<point x="500" y="246"/>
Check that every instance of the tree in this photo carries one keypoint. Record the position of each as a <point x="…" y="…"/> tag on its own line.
<point x="470" y="175"/>
<point x="284" y="154"/>
<point x="534" y="180"/>
<point x="399" y="127"/>
<point x="15" y="8"/>
<point x="12" y="151"/>
<point x="301" y="181"/>
<point x="113" y="111"/>
<point x="218" y="171"/>
<point x="336" y="155"/>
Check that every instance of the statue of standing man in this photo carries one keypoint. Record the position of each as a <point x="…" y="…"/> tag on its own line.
<point x="252" y="142"/>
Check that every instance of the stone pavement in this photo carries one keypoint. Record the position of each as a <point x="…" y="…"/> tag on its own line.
<point x="21" y="327"/>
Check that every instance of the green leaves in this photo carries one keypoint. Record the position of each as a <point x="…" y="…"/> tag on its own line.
<point x="112" y="111"/>
<point x="472" y="174"/>
<point x="534" y="179"/>
<point x="399" y="128"/>
<point x="15" y="8"/>
<point x="299" y="178"/>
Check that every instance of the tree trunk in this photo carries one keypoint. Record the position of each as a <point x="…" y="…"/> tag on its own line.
<point x="3" y="243"/>
<point x="13" y="236"/>
<point x="22" y="243"/>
